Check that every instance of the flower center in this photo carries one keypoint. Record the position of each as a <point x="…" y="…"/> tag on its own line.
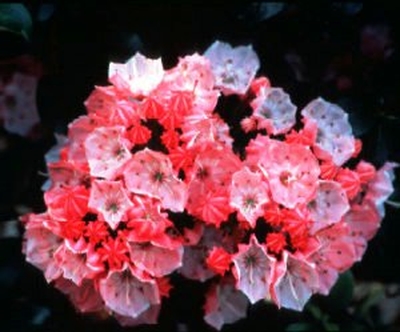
<point x="202" y="173"/>
<point x="251" y="260"/>
<point x="286" y="177"/>
<point x="119" y="152"/>
<point x="250" y="202"/>
<point x="113" y="207"/>
<point x="158" y="176"/>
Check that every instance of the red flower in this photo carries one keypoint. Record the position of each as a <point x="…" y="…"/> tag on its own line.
<point x="276" y="242"/>
<point x="219" y="260"/>
<point x="114" y="252"/>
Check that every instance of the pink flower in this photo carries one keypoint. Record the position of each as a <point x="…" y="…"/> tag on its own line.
<point x="213" y="167"/>
<point x="66" y="203"/>
<point x="64" y="174"/>
<point x="155" y="260"/>
<point x="18" y="104"/>
<point x="107" y="151"/>
<point x="146" y="222"/>
<point x="292" y="172"/>
<point x="211" y="207"/>
<point x="366" y="171"/>
<point x="73" y="265"/>
<point x="224" y="305"/>
<point x="39" y="247"/>
<point x="150" y="173"/>
<point x="110" y="198"/>
<point x="84" y="297"/>
<point x="329" y="205"/>
<point x="194" y="257"/>
<point x="305" y="136"/>
<point x="191" y="72"/>
<point x="363" y="220"/>
<point x="336" y="254"/>
<point x="349" y="180"/>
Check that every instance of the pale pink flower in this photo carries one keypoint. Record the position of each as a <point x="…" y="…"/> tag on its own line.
<point x="124" y="294"/>
<point x="140" y="75"/>
<point x="381" y="186"/>
<point x="110" y="198"/>
<point x="253" y="270"/>
<point x="335" y="135"/>
<point x="296" y="281"/>
<point x="149" y="316"/>
<point x="78" y="131"/>
<point x="233" y="67"/>
<point x="191" y="72"/>
<point x="274" y="111"/>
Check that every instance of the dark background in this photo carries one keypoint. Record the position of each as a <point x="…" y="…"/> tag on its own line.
<point x="348" y="53"/>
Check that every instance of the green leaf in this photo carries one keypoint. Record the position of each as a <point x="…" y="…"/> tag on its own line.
<point x="300" y="327"/>
<point x="15" y="18"/>
<point x="376" y="294"/>
<point x="322" y="318"/>
<point x="329" y="326"/>
<point x="342" y="292"/>
<point x="314" y="311"/>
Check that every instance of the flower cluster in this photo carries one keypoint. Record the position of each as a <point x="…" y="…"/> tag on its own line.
<point x="208" y="172"/>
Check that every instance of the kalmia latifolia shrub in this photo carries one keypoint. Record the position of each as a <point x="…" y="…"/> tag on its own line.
<point x="207" y="171"/>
